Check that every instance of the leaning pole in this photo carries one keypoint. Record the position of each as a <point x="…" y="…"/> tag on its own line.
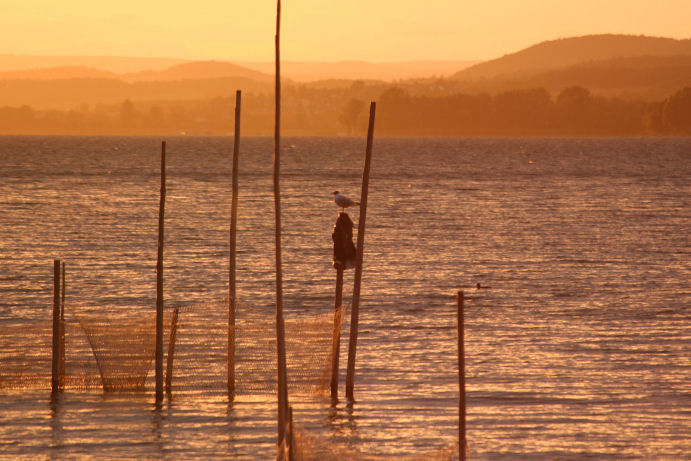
<point x="355" y="311"/>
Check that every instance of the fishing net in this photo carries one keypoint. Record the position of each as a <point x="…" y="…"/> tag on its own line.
<point x="201" y="359"/>
<point x="124" y="349"/>
<point x="101" y="351"/>
<point x="25" y="354"/>
<point x="114" y="350"/>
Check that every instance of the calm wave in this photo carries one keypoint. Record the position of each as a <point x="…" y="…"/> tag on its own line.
<point x="581" y="348"/>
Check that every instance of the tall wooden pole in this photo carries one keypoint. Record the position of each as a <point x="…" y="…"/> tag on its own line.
<point x="232" y="295"/>
<point x="55" y="371"/>
<point x="159" y="280"/>
<point x="337" y="333"/>
<point x="280" y="327"/>
<point x="355" y="311"/>
<point x="461" y="378"/>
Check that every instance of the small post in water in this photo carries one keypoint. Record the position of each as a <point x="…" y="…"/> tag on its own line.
<point x="159" y="280"/>
<point x="355" y="311"/>
<point x="337" y="333"/>
<point x="62" y="329"/>
<point x="55" y="381"/>
<point x="462" y="443"/>
<point x="171" y="351"/>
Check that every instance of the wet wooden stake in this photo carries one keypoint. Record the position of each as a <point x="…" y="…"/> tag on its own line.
<point x="280" y="327"/>
<point x="62" y="293"/>
<point x="337" y="333"/>
<point x="232" y="295"/>
<point x="171" y="351"/>
<point x="355" y="311"/>
<point x="62" y="329"/>
<point x="159" y="280"/>
<point x="291" y="451"/>
<point x="461" y="379"/>
<point x="55" y="371"/>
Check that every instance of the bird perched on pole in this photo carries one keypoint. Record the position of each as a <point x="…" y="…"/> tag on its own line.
<point x="343" y="201"/>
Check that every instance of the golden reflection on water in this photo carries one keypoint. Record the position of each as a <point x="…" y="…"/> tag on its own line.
<point x="579" y="349"/>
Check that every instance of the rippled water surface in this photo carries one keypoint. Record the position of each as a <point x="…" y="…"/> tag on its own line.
<point x="581" y="348"/>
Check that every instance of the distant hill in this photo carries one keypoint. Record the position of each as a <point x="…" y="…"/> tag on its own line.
<point x="164" y="69"/>
<point x="198" y="70"/>
<point x="650" y="78"/>
<point x="54" y="73"/>
<point x="202" y="70"/>
<point x="116" y="64"/>
<point x="361" y="70"/>
<point x="70" y="93"/>
<point x="558" y="54"/>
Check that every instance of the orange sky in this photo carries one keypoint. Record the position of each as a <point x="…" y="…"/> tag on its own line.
<point x="323" y="30"/>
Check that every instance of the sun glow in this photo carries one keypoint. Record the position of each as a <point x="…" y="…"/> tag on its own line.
<point x="313" y="30"/>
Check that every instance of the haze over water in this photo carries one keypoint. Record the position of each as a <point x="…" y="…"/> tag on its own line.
<point x="580" y="349"/>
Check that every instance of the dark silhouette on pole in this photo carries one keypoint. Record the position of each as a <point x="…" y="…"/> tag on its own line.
<point x="159" y="280"/>
<point x="232" y="295"/>
<point x="345" y="257"/>
<point x="350" y="377"/>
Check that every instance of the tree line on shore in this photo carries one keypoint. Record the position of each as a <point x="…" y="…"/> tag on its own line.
<point x="575" y="111"/>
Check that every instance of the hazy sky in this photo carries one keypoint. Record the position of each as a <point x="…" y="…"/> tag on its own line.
<point x="323" y="30"/>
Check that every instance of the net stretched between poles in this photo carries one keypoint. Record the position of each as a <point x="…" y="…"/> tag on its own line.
<point x="113" y="350"/>
<point x="200" y="363"/>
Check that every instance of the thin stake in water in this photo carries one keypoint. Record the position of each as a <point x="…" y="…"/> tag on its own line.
<point x="55" y="372"/>
<point x="462" y="442"/>
<point x="159" y="280"/>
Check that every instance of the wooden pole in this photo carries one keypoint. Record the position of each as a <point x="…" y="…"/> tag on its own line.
<point x="171" y="351"/>
<point x="159" y="280"/>
<point x="354" y="313"/>
<point x="461" y="379"/>
<point x="280" y="328"/>
<point x="55" y="371"/>
<point x="291" y="450"/>
<point x="62" y="329"/>
<point x="62" y="294"/>
<point x="232" y="295"/>
<point x="337" y="333"/>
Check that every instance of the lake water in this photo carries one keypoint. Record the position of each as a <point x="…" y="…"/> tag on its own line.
<point x="581" y="348"/>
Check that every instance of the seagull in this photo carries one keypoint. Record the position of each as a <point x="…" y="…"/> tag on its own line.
<point x="343" y="201"/>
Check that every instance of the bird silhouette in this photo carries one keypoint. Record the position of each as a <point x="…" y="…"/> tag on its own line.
<point x="343" y="201"/>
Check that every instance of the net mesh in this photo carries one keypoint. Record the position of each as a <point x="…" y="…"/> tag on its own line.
<point x="201" y="362"/>
<point x="124" y="350"/>
<point x="105" y="350"/>
<point x="25" y="354"/>
<point x="115" y="351"/>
